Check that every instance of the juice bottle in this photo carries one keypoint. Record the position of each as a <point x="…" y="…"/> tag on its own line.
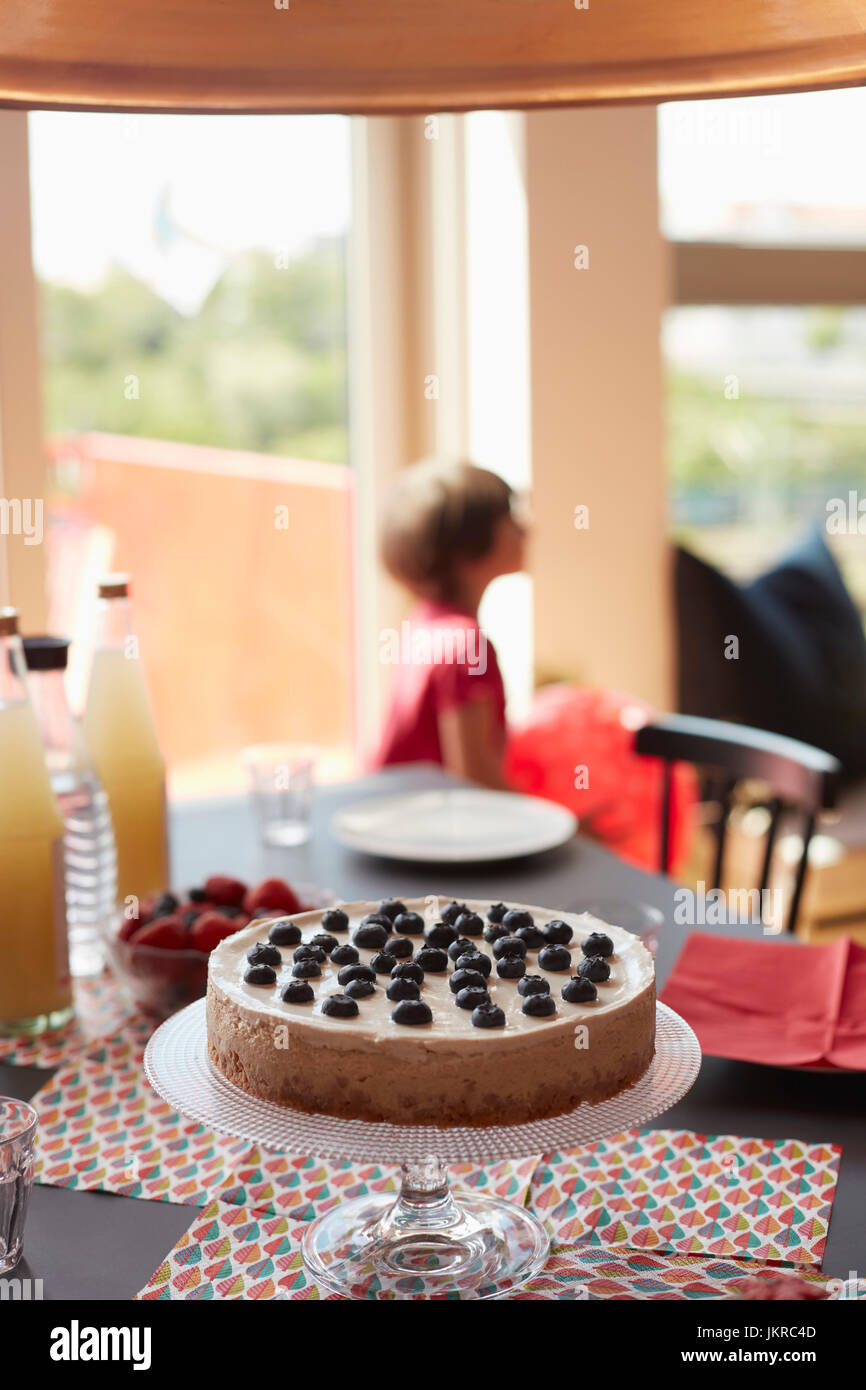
<point x="35" y="988"/>
<point x="121" y="737"/>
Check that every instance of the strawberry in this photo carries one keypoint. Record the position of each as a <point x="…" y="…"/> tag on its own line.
<point x="167" y="932"/>
<point x="210" y="929"/>
<point x="224" y="891"/>
<point x="128" y="928"/>
<point x="273" y="894"/>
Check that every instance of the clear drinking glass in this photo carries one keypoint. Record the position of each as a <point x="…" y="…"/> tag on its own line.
<point x="18" y="1123"/>
<point x="281" y="783"/>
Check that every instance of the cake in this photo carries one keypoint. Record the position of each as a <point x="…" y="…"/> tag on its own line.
<point x="359" y="1011"/>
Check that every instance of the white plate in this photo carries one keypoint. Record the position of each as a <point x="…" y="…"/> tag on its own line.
<point x="454" y="825"/>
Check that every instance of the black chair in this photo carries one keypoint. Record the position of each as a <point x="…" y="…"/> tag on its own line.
<point x="799" y="776"/>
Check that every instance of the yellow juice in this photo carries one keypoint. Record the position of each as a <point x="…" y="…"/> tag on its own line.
<point x="119" y="730"/>
<point x="34" y="972"/>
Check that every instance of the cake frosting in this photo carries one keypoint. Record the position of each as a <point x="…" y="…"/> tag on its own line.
<point x="446" y="1071"/>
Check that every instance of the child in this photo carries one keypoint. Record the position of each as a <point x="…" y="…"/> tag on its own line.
<point x="449" y="529"/>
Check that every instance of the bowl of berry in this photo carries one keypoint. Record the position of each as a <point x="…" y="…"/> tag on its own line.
<point x="161" y="953"/>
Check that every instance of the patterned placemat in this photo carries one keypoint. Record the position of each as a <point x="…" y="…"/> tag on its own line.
<point x="101" y="1010"/>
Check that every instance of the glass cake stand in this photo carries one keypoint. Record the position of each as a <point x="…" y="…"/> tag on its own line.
<point x="428" y="1241"/>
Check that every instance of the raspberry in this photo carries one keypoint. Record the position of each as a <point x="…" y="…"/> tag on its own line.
<point x="225" y="892"/>
<point x="210" y="929"/>
<point x="167" y="932"/>
<point x="273" y="894"/>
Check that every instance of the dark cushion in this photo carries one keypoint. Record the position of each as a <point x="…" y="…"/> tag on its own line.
<point x="801" y="669"/>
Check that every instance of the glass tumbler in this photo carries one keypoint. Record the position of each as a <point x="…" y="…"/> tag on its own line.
<point x="18" y="1124"/>
<point x="280" y="778"/>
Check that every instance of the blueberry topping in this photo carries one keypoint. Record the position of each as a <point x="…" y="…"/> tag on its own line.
<point x="511" y="968"/>
<point x="466" y="979"/>
<point x="594" y="968"/>
<point x="391" y="908"/>
<point x="263" y="954"/>
<point x="283" y="932"/>
<point x="459" y="947"/>
<point x="488" y="1015"/>
<point x="555" y="958"/>
<point x="409" y="923"/>
<point x="298" y="992"/>
<point x="598" y="943"/>
<point x="469" y="924"/>
<point x="372" y="936"/>
<point x="165" y="905"/>
<point x="579" y="990"/>
<point x="335" y="919"/>
<point x="531" y="936"/>
<point x="401" y="988"/>
<point x="309" y="951"/>
<point x="356" y="972"/>
<point x="400" y="947"/>
<point x="495" y="932"/>
<point x="539" y="1005"/>
<point x="307" y="968"/>
<point x="197" y="895"/>
<point x="533" y="984"/>
<point x="413" y="1012"/>
<point x="472" y="997"/>
<point x="518" y="917"/>
<point x="496" y="912"/>
<point x="559" y="933"/>
<point x="383" y="962"/>
<point x="431" y="960"/>
<point x="260" y="975"/>
<point x="407" y="970"/>
<point x="339" y="1006"/>
<point x="474" y="960"/>
<point x="325" y="942"/>
<point x="344" y="954"/>
<point x="509" y="946"/>
<point x="451" y="911"/>
<point x="377" y="919"/>
<point x="359" y="989"/>
<point x="440" y="934"/>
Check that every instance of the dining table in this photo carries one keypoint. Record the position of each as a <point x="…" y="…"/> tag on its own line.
<point x="90" y="1245"/>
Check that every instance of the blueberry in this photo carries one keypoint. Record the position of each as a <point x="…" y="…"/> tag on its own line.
<point x="555" y="958"/>
<point x="263" y="954"/>
<point x="356" y="972"/>
<point x="335" y="919"/>
<point x="391" y="908"/>
<point x="309" y="951"/>
<point x="598" y="943"/>
<point x="359" y="989"/>
<point x="407" y="970"/>
<point x="400" y="946"/>
<point x="189" y="917"/>
<point x="496" y="912"/>
<point x="284" y="932"/>
<point x="469" y="924"/>
<point x="197" y="895"/>
<point x="377" y="919"/>
<point x="511" y="967"/>
<point x="260" y="975"/>
<point x="559" y="933"/>
<point x="440" y="934"/>
<point x="533" y="984"/>
<point x="231" y="911"/>
<point x="509" y="946"/>
<point x="307" y="968"/>
<point x="344" y="954"/>
<point x="431" y="960"/>
<point x="339" y="1006"/>
<point x="594" y="968"/>
<point x="371" y="936"/>
<point x="401" y="988"/>
<point x="325" y="941"/>
<point x="474" y="960"/>
<point x="488" y="1015"/>
<point x="518" y="917"/>
<point x="495" y="932"/>
<point x="472" y="997"/>
<point x="383" y="962"/>
<point x="459" y="947"/>
<point x="413" y="1012"/>
<point x="531" y="936"/>
<point x="539" y="1005"/>
<point x="298" y="992"/>
<point x="466" y="979"/>
<point x="409" y="923"/>
<point x="579" y="990"/>
<point x="451" y="911"/>
<point x="165" y="905"/>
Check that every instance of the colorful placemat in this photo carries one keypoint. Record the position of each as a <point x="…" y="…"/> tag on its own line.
<point x="582" y="1272"/>
<point x="679" y="1192"/>
<point x="101" y="1010"/>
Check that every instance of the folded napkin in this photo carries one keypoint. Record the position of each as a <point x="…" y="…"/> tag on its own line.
<point x="778" y="1003"/>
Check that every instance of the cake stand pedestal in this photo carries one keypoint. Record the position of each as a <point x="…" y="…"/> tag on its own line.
<point x="428" y="1242"/>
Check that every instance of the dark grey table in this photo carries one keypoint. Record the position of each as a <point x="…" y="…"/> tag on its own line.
<point x="95" y="1245"/>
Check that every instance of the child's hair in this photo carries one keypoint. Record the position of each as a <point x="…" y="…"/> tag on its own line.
<point x="437" y="514"/>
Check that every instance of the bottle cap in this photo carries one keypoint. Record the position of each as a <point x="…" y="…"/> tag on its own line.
<point x="8" y="622"/>
<point x="114" y="586"/>
<point x="46" y="653"/>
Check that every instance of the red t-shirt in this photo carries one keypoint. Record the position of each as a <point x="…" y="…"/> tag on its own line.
<point x="441" y="660"/>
